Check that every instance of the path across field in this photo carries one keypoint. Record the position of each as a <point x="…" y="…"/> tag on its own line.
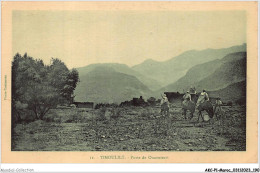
<point x="136" y="129"/>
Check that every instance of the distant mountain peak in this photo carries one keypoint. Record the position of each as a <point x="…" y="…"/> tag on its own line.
<point x="169" y="71"/>
<point x="102" y="69"/>
<point x="108" y="64"/>
<point x="106" y="85"/>
<point x="120" y="68"/>
<point x="149" y="60"/>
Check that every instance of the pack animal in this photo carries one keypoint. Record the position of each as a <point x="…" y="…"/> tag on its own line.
<point x="191" y="107"/>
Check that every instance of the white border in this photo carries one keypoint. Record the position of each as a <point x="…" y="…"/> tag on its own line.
<point x="125" y="167"/>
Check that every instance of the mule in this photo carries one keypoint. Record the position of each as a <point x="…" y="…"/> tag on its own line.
<point x="191" y="107"/>
<point x="206" y="106"/>
<point x="188" y="106"/>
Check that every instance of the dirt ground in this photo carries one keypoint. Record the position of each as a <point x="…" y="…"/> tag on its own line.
<point x="132" y="129"/>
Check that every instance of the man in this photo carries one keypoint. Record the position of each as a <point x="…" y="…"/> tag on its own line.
<point x="186" y="97"/>
<point x="218" y="102"/>
<point x="206" y="96"/>
<point x="193" y="93"/>
<point x="193" y="90"/>
<point x="165" y="105"/>
<point x="218" y="108"/>
<point x="185" y="103"/>
<point x="203" y="97"/>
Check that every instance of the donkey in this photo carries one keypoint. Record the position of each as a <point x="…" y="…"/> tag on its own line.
<point x="206" y="106"/>
<point x="191" y="106"/>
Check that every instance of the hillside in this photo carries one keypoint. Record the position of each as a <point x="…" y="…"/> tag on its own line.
<point x="194" y="75"/>
<point x="232" y="92"/>
<point x="105" y="85"/>
<point x="170" y="71"/>
<point x="122" y="68"/>
<point x="213" y="75"/>
<point x="232" y="70"/>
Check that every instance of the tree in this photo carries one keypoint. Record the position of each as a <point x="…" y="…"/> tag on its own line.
<point x="152" y="101"/>
<point x="64" y="80"/>
<point x="26" y="72"/>
<point x="41" y="98"/>
<point x="40" y="86"/>
<point x="70" y="85"/>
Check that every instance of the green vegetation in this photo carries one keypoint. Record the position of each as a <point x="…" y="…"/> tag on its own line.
<point x="37" y="87"/>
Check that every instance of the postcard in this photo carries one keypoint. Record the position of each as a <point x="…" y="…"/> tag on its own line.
<point x="129" y="82"/>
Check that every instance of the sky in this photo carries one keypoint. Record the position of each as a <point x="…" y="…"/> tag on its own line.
<point x="80" y="38"/>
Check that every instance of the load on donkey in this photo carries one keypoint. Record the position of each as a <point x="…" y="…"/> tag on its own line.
<point x="192" y="100"/>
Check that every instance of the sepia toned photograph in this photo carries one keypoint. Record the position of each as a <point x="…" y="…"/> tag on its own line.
<point x="129" y="81"/>
<point x="136" y="80"/>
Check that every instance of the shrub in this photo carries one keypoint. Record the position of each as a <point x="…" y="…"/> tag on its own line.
<point x="52" y="116"/>
<point x="23" y="115"/>
<point x="152" y="101"/>
<point x="229" y="103"/>
<point x="101" y="114"/>
<point x="149" y="113"/>
<point x="145" y="113"/>
<point x="241" y="101"/>
<point x="116" y="113"/>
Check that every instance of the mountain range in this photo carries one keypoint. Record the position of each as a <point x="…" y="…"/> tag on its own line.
<point x="170" y="71"/>
<point x="122" y="68"/>
<point x="105" y="85"/>
<point x="213" y="75"/>
<point x="216" y="70"/>
<point x="233" y="92"/>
